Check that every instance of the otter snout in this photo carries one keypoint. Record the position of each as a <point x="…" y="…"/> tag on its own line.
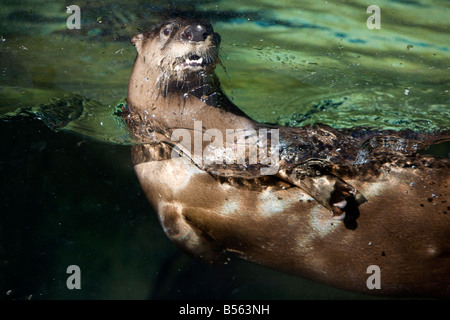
<point x="195" y="33"/>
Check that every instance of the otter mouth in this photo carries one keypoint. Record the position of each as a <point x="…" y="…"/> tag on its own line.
<point x="194" y="62"/>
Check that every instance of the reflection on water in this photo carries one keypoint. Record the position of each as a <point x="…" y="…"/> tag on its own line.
<point x="76" y="114"/>
<point x="288" y="62"/>
<point x="295" y="56"/>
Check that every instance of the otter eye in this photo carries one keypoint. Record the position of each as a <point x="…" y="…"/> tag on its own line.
<point x="166" y="32"/>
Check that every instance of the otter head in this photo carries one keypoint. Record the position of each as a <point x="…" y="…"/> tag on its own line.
<point x="178" y="50"/>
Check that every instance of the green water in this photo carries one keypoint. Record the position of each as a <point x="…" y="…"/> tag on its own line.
<point x="283" y="61"/>
<point x="65" y="149"/>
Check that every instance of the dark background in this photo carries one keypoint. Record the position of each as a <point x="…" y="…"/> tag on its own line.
<point x="66" y="200"/>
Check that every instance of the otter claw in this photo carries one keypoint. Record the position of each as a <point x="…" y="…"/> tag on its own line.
<point x="338" y="210"/>
<point x="341" y="204"/>
<point x="332" y="192"/>
<point x="339" y="217"/>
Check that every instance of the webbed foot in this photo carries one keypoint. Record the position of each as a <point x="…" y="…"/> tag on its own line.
<point x="343" y="199"/>
<point x="313" y="176"/>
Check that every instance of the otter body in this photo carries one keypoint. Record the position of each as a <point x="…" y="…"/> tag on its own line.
<point x="332" y="205"/>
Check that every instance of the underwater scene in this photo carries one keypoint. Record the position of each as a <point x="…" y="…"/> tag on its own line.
<point x="68" y="191"/>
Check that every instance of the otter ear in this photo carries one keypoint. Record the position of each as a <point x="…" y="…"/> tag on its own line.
<point x="137" y="41"/>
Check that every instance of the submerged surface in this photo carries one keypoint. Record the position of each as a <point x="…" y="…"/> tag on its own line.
<point x="286" y="63"/>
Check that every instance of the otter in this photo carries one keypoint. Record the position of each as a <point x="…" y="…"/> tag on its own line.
<point x="314" y="201"/>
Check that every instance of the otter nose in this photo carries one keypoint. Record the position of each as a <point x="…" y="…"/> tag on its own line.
<point x="195" y="33"/>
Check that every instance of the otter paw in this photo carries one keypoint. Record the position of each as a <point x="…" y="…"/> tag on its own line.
<point x="341" y="202"/>
<point x="338" y="210"/>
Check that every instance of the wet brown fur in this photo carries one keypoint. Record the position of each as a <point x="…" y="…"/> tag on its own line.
<point x="403" y="227"/>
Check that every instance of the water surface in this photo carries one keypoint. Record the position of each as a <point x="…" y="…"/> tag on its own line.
<point x="68" y="191"/>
